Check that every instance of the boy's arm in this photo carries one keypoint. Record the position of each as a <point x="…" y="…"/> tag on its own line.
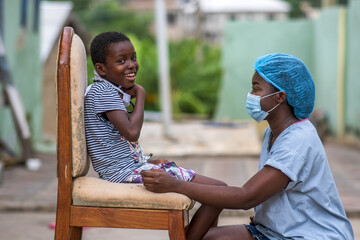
<point x="130" y="127"/>
<point x="157" y="161"/>
<point x="264" y="184"/>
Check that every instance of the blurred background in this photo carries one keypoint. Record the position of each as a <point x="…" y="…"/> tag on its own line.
<point x="211" y="48"/>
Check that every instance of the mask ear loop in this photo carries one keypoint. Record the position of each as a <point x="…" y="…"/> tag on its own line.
<point x="276" y="104"/>
<point x="273" y="107"/>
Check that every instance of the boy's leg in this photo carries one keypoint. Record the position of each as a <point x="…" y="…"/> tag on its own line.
<point x="206" y="216"/>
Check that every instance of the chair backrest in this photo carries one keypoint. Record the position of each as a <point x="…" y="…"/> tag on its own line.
<point x="78" y="84"/>
<point x="71" y="85"/>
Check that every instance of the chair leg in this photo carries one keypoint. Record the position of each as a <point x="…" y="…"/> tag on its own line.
<point x="176" y="226"/>
<point x="62" y="229"/>
<point x="76" y="233"/>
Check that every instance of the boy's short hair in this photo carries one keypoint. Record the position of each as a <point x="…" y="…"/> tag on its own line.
<point x="99" y="48"/>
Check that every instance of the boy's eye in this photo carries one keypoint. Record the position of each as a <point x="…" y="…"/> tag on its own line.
<point x="121" y="61"/>
<point x="134" y="59"/>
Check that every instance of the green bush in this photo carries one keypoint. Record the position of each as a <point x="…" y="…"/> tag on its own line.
<point x="102" y="16"/>
<point x="195" y="69"/>
<point x="195" y="76"/>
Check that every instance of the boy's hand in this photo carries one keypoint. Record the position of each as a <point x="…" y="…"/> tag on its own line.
<point x="158" y="181"/>
<point x="134" y="91"/>
<point x="157" y="161"/>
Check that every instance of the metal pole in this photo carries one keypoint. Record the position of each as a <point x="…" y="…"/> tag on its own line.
<point x="163" y="61"/>
<point x="341" y="73"/>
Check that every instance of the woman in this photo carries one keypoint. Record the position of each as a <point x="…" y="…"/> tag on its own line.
<point x="293" y="192"/>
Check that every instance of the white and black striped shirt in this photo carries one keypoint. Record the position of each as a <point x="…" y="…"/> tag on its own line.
<point x="109" y="151"/>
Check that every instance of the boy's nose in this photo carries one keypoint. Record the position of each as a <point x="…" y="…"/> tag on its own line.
<point x="131" y="65"/>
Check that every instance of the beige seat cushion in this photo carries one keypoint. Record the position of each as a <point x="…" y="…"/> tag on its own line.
<point x="90" y="191"/>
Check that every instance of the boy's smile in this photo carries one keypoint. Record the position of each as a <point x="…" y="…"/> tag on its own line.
<point x="121" y="64"/>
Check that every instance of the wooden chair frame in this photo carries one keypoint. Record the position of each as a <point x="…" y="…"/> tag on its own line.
<point x="71" y="219"/>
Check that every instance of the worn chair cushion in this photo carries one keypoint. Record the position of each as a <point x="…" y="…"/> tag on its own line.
<point x="90" y="191"/>
<point x="78" y="84"/>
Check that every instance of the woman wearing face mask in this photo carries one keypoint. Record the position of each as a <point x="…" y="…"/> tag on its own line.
<point x="293" y="192"/>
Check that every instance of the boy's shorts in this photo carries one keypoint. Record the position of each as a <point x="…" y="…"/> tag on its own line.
<point x="171" y="168"/>
<point x="255" y="233"/>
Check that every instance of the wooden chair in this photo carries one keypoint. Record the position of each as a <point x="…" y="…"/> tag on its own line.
<point x="92" y="202"/>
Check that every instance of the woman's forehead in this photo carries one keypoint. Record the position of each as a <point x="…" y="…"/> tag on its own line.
<point x="258" y="80"/>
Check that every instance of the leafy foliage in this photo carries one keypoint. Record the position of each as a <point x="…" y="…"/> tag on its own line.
<point x="296" y="5"/>
<point x="148" y="71"/>
<point x="195" y="70"/>
<point x="108" y="15"/>
<point x="195" y="75"/>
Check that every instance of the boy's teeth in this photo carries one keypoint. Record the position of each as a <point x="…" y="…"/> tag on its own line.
<point x="130" y="74"/>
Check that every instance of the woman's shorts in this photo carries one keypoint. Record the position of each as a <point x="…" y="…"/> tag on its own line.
<point x="255" y="233"/>
<point x="171" y="168"/>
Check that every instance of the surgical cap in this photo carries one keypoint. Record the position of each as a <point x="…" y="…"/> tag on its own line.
<point x="289" y="74"/>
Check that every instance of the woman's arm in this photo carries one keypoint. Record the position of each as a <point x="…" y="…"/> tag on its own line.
<point x="260" y="187"/>
<point x="130" y="127"/>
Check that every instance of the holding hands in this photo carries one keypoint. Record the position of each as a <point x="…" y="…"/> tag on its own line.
<point x="158" y="181"/>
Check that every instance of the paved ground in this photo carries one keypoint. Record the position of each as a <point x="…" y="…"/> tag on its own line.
<point x="28" y="199"/>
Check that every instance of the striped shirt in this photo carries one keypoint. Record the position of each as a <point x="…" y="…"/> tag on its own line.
<point x="112" y="157"/>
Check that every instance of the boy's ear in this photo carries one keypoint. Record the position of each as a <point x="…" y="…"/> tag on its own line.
<point x="100" y="69"/>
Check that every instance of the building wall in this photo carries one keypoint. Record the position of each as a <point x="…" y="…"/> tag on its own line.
<point x="329" y="46"/>
<point x="213" y="24"/>
<point x="243" y="43"/>
<point x="22" y="46"/>
<point x="352" y="75"/>
<point x="325" y="71"/>
<point x="49" y="127"/>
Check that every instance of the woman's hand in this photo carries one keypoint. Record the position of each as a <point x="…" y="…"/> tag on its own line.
<point x="158" y="181"/>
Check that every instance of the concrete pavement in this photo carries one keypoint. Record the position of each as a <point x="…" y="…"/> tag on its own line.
<point x="225" y="151"/>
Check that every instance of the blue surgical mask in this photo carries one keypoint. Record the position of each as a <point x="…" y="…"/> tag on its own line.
<point x="253" y="107"/>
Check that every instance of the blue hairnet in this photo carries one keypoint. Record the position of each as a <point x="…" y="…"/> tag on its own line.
<point x="289" y="74"/>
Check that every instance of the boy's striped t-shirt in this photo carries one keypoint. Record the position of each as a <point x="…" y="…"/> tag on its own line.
<point x="111" y="156"/>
